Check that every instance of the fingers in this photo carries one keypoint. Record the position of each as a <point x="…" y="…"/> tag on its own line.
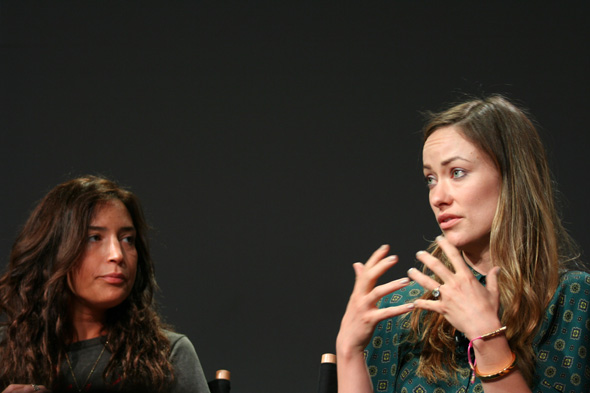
<point x="454" y="255"/>
<point x="428" y="283"/>
<point x="368" y="274"/>
<point x="425" y="281"/>
<point x="438" y="268"/>
<point x="358" y="269"/>
<point x="378" y="255"/>
<point x="435" y="265"/>
<point x="429" y="305"/>
<point x="492" y="282"/>
<point x="390" y="312"/>
<point x="367" y="278"/>
<point x="388" y="288"/>
<point x="362" y="315"/>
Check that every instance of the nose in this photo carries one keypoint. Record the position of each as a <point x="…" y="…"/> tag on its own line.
<point x="440" y="195"/>
<point x="115" y="251"/>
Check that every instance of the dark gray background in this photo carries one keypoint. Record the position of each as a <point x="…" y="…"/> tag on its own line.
<point x="273" y="144"/>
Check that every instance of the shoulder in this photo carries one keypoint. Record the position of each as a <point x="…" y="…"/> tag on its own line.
<point x="173" y="337"/>
<point x="188" y="372"/>
<point x="179" y="343"/>
<point x="561" y="344"/>
<point x="182" y="352"/>
<point x="573" y="284"/>
<point x="569" y="277"/>
<point x="569" y="309"/>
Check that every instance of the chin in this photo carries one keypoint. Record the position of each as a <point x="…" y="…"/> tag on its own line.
<point x="109" y="304"/>
<point x="457" y="240"/>
<point x="468" y="243"/>
<point x="114" y="301"/>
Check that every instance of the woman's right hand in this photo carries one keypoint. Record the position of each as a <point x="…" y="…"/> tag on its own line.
<point x="362" y="315"/>
<point x="28" y="388"/>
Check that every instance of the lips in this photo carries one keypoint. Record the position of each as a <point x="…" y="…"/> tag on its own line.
<point x="446" y="221"/>
<point x="114" y="278"/>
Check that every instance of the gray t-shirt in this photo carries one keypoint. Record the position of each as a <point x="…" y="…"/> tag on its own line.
<point x="188" y="374"/>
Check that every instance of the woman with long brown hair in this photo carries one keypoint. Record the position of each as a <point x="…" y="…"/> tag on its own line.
<point x="497" y="306"/>
<point x="77" y="300"/>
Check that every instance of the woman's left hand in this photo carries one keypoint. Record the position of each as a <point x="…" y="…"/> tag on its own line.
<point x="469" y="306"/>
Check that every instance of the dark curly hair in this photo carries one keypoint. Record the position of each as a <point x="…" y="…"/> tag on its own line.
<point x="34" y="294"/>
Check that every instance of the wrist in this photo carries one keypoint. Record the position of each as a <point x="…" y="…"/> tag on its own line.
<point x="346" y="351"/>
<point x="491" y="352"/>
<point x="482" y="329"/>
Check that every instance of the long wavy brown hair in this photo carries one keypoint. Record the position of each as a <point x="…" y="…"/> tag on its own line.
<point x="34" y="294"/>
<point x="527" y="240"/>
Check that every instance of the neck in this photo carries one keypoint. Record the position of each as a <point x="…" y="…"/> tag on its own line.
<point x="480" y="261"/>
<point x="87" y="323"/>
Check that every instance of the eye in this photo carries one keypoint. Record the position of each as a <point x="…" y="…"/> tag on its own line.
<point x="458" y="173"/>
<point x="93" y="238"/>
<point x="129" y="239"/>
<point x="429" y="180"/>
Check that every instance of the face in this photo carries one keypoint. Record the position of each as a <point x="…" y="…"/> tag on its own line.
<point x="464" y="188"/>
<point x="105" y="273"/>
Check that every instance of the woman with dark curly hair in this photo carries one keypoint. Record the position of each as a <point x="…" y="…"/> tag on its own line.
<point x="77" y="300"/>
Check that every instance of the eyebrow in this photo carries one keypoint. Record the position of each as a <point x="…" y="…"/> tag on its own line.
<point x="448" y="161"/>
<point x="102" y="229"/>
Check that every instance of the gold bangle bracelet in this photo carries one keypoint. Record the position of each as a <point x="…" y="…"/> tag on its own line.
<point x="499" y="374"/>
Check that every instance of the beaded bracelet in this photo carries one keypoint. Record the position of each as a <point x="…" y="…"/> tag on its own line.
<point x="470" y="347"/>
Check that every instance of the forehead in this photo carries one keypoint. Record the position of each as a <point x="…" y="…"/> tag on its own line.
<point x="110" y="211"/>
<point x="449" y="142"/>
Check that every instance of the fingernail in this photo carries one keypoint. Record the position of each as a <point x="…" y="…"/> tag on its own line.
<point x="410" y="305"/>
<point x="404" y="280"/>
<point x="383" y="246"/>
<point x="410" y="270"/>
<point x="420" y="252"/>
<point x="439" y="238"/>
<point x="392" y="258"/>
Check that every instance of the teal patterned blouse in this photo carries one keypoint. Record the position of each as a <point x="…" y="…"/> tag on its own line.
<point x="561" y="346"/>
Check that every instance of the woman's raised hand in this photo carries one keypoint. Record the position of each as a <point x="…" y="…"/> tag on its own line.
<point x="469" y="306"/>
<point x="362" y="314"/>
